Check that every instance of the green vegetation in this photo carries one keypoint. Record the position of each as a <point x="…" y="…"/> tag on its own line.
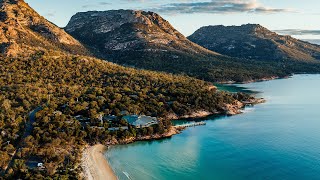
<point x="209" y="68"/>
<point x="75" y="85"/>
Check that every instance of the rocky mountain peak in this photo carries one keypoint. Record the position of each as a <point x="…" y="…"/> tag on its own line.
<point x="113" y="19"/>
<point x="117" y="30"/>
<point x="7" y="2"/>
<point x="18" y="11"/>
<point x="24" y="31"/>
<point x="253" y="29"/>
<point x="253" y="41"/>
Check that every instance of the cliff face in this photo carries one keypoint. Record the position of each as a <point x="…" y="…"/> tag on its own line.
<point x="23" y="31"/>
<point x="253" y="41"/>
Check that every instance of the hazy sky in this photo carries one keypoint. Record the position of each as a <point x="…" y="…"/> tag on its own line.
<point x="189" y="15"/>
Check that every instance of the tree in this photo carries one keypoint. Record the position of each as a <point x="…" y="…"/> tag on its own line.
<point x="6" y="104"/>
<point x="4" y="159"/>
<point x="150" y="130"/>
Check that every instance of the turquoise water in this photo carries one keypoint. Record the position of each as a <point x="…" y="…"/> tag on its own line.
<point x="276" y="140"/>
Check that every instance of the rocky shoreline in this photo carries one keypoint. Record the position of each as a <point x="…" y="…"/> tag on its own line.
<point x="255" y="80"/>
<point x="171" y="132"/>
<point x="229" y="110"/>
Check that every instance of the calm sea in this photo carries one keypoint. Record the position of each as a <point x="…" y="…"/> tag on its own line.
<point x="276" y="140"/>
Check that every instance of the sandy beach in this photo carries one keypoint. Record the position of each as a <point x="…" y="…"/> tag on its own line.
<point x="94" y="164"/>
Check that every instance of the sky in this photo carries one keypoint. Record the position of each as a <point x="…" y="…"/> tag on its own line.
<point x="292" y="17"/>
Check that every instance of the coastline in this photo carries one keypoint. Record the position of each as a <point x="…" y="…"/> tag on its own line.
<point x="171" y="132"/>
<point x="218" y="129"/>
<point x="94" y="164"/>
<point x="96" y="167"/>
<point x="256" y="80"/>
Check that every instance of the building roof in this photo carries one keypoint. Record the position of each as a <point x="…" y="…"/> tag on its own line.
<point x="110" y="118"/>
<point x="140" y="120"/>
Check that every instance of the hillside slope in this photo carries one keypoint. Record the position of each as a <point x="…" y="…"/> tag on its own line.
<point x="70" y="86"/>
<point x="23" y="32"/>
<point x="253" y="41"/>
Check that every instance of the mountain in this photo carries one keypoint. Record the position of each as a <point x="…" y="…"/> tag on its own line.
<point x="23" y="31"/>
<point x="127" y="30"/>
<point x="254" y="41"/>
<point x="146" y="40"/>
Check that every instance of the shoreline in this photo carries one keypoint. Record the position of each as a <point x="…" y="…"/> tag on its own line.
<point x="171" y="132"/>
<point x="94" y="164"/>
<point x="254" y="80"/>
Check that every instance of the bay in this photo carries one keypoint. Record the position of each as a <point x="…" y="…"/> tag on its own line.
<point x="275" y="140"/>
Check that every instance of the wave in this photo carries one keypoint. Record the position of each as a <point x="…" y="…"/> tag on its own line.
<point x="127" y="174"/>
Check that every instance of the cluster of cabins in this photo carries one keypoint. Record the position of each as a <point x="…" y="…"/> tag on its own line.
<point x="137" y="121"/>
<point x="141" y="121"/>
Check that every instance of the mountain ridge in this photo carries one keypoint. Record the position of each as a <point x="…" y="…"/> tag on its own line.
<point x="145" y="40"/>
<point x="254" y="41"/>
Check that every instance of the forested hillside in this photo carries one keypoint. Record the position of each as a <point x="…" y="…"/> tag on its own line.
<point x="86" y="86"/>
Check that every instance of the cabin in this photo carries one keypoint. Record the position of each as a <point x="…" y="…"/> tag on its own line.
<point x="35" y="163"/>
<point x="96" y="127"/>
<point x="124" y="113"/>
<point x="110" y="118"/>
<point x="133" y="96"/>
<point x="118" y="128"/>
<point x="141" y="121"/>
<point x="82" y="118"/>
<point x="39" y="165"/>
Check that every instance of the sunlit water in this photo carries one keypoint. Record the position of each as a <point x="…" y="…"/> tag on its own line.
<point x="276" y="140"/>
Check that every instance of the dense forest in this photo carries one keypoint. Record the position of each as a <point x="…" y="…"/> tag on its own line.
<point x="213" y="69"/>
<point x="79" y="85"/>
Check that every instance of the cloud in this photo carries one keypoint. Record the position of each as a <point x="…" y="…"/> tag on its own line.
<point x="104" y="3"/>
<point x="95" y="5"/>
<point x="50" y="14"/>
<point x="296" y="32"/>
<point x="87" y="6"/>
<point x="219" y="7"/>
